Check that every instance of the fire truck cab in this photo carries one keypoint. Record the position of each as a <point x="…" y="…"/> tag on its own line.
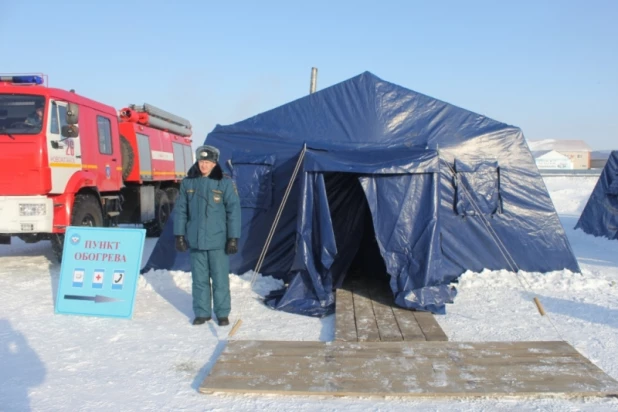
<point x="67" y="160"/>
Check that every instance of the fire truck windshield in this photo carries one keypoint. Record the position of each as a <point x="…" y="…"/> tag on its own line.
<point x="21" y="114"/>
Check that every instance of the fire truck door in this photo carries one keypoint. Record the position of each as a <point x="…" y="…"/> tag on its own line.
<point x="108" y="161"/>
<point x="64" y="154"/>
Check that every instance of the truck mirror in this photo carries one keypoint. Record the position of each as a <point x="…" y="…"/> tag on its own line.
<point x="69" y="131"/>
<point x="72" y="114"/>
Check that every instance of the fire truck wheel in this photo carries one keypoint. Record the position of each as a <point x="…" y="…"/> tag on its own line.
<point x="127" y="157"/>
<point x="162" y="213"/>
<point x="86" y="212"/>
<point x="57" y="242"/>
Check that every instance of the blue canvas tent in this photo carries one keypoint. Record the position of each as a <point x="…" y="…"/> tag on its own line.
<point x="600" y="216"/>
<point x="429" y="188"/>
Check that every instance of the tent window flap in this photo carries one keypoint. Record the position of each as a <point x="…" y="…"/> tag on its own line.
<point x="254" y="181"/>
<point x="477" y="188"/>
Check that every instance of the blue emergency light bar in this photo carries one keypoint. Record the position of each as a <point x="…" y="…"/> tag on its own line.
<point x="22" y="79"/>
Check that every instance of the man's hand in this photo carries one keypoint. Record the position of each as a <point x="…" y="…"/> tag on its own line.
<point x="181" y="244"/>
<point x="231" y="246"/>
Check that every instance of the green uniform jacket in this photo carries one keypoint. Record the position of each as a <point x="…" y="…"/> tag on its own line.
<point x="207" y="210"/>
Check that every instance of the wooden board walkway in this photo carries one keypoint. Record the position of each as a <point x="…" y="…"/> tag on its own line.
<point x="430" y="369"/>
<point x="365" y="311"/>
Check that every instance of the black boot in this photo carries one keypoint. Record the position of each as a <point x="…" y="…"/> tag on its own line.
<point x="200" y="320"/>
<point x="224" y="321"/>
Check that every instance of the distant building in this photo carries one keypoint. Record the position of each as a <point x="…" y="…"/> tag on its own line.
<point x="576" y="150"/>
<point x="598" y="158"/>
<point x="551" y="159"/>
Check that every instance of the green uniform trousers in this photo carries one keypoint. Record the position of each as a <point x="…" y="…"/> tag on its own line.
<point x="211" y="266"/>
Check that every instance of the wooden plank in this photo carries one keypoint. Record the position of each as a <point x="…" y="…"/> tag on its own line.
<point x="430" y="326"/>
<point x="481" y="354"/>
<point x="382" y="300"/>
<point x="386" y="321"/>
<point x="408" y="325"/>
<point x="267" y="351"/>
<point x="366" y="326"/>
<point x="399" y="369"/>
<point x="345" y="324"/>
<point x="365" y="375"/>
<point x="430" y="350"/>
<point x="434" y="368"/>
<point x="387" y="324"/>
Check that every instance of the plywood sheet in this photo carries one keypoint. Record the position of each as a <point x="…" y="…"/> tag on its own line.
<point x="407" y="369"/>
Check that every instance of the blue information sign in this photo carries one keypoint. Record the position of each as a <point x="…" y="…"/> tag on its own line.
<point x="99" y="271"/>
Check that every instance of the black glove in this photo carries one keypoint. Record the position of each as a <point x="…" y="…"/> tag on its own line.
<point x="231" y="246"/>
<point x="181" y="244"/>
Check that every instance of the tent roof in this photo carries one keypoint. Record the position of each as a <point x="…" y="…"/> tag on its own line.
<point x="364" y="111"/>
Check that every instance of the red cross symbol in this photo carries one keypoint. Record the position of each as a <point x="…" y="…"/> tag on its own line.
<point x="98" y="277"/>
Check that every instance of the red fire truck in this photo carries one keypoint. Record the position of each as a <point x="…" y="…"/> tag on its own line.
<point x="66" y="160"/>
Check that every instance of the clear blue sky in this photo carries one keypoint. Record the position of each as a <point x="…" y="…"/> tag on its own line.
<point x="549" y="67"/>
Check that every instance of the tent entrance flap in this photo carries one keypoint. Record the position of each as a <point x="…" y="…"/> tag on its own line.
<point x="357" y="247"/>
<point x="405" y="210"/>
<point x="335" y="233"/>
<point x="331" y="215"/>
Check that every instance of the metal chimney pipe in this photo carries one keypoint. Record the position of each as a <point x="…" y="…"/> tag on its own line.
<point x="314" y="80"/>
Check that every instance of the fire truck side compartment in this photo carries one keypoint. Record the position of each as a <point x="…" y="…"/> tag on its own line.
<point x="143" y="147"/>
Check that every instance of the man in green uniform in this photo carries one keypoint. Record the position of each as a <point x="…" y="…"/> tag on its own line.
<point x="207" y="223"/>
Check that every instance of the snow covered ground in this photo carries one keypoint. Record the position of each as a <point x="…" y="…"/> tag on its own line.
<point x="157" y="360"/>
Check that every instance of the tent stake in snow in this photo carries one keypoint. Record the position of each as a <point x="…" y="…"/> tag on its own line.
<point x="235" y="327"/>
<point x="537" y="302"/>
<point x="258" y="265"/>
